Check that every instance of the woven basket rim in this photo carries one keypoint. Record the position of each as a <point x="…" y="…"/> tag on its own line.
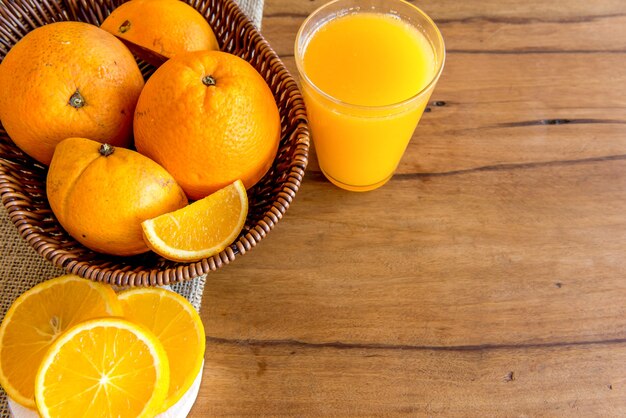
<point x="22" y="218"/>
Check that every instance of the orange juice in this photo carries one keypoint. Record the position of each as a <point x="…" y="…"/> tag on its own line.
<point x="369" y="59"/>
<point x="366" y="79"/>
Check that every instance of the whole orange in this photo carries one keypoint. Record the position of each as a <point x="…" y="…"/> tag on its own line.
<point x="101" y="194"/>
<point x="209" y="118"/>
<point x="164" y="27"/>
<point x="68" y="79"/>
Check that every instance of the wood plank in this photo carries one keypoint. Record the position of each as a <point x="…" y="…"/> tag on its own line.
<point x="287" y="380"/>
<point x="453" y="9"/>
<point x="495" y="35"/>
<point x="512" y="109"/>
<point x="527" y="255"/>
<point x="588" y="34"/>
<point x="492" y="25"/>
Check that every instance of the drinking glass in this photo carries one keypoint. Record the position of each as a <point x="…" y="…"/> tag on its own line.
<point x="359" y="146"/>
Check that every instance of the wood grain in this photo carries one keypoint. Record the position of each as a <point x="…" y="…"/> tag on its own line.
<point x="510" y="99"/>
<point x="451" y="9"/>
<point x="486" y="278"/>
<point x="492" y="26"/>
<point x="495" y="257"/>
<point x="520" y="109"/>
<point x="298" y="381"/>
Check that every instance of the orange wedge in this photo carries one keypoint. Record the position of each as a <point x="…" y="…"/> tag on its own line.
<point x="107" y="367"/>
<point x="200" y="230"/>
<point x="37" y="318"/>
<point x="177" y="325"/>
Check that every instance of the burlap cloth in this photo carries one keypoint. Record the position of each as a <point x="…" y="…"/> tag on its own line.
<point x="22" y="268"/>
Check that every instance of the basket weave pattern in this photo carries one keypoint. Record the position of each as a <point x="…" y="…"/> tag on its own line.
<point x="22" y="180"/>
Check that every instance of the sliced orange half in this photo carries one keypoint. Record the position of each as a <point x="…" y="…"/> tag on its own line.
<point x="37" y="318"/>
<point x="201" y="229"/>
<point x="107" y="367"/>
<point x="178" y="326"/>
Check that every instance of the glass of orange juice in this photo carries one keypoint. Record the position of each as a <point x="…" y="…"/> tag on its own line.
<point x="367" y="70"/>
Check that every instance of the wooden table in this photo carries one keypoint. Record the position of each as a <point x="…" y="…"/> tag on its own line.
<point x="487" y="278"/>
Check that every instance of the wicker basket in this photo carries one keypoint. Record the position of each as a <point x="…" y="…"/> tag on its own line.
<point x="22" y="180"/>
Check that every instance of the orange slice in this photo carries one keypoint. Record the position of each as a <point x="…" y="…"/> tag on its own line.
<point x="202" y="229"/>
<point x="103" y="367"/>
<point x="177" y="325"/>
<point x="35" y="321"/>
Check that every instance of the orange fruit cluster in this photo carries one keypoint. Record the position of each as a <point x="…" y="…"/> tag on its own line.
<point x="204" y="121"/>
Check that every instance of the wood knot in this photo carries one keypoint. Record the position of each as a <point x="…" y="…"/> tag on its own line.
<point x="556" y="121"/>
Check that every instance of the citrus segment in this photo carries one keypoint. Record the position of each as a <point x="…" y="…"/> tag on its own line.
<point x="103" y="367"/>
<point x="178" y="327"/>
<point x="202" y="229"/>
<point x="35" y="321"/>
